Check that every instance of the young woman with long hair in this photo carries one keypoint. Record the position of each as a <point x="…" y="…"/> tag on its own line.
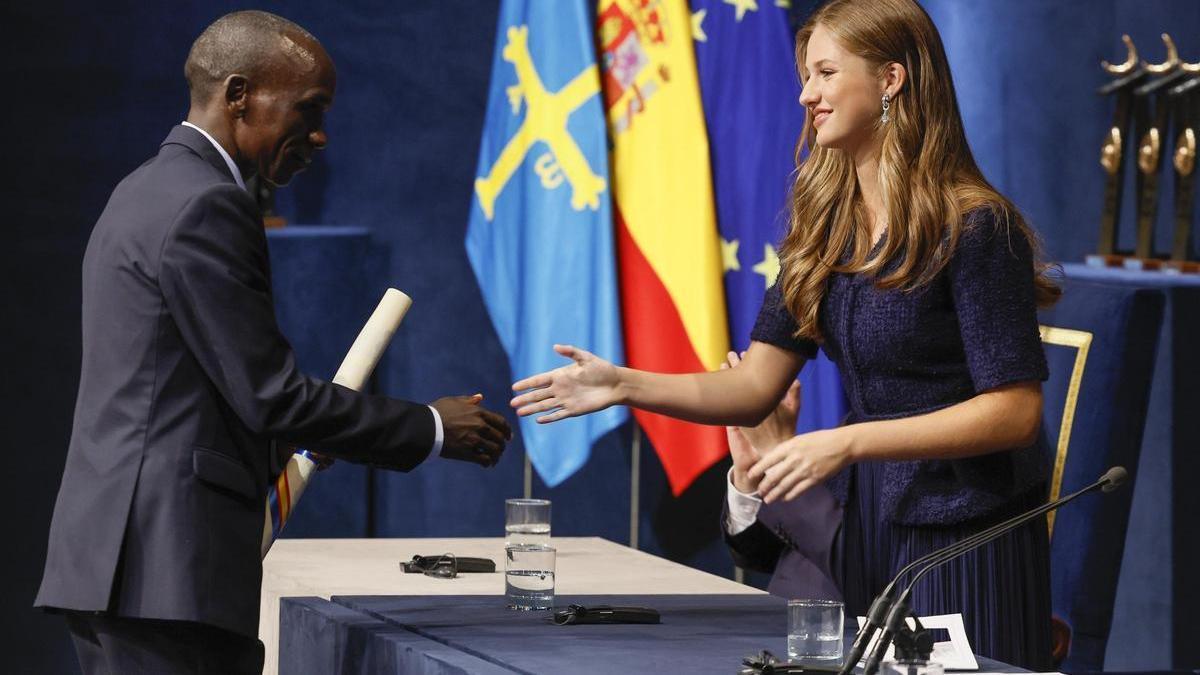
<point x="921" y="282"/>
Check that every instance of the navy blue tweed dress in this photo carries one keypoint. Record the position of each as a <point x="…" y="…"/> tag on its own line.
<point x="904" y="353"/>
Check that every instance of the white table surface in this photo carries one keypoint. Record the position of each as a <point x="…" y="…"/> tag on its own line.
<point x="585" y="566"/>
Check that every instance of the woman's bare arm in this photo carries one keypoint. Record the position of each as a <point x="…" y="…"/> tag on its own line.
<point x="998" y="419"/>
<point x="740" y="396"/>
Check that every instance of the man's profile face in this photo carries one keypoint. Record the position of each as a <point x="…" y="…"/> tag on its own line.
<point x="283" y="125"/>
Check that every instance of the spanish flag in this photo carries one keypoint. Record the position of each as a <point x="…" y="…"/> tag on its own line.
<point x="668" y="251"/>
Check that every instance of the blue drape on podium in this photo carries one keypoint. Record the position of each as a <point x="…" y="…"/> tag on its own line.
<point x="1100" y="343"/>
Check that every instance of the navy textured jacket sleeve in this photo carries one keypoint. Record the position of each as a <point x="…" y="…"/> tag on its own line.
<point x="776" y="326"/>
<point x="992" y="282"/>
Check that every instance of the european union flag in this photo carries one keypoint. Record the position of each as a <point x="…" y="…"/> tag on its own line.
<point x="748" y="82"/>
<point x="540" y="237"/>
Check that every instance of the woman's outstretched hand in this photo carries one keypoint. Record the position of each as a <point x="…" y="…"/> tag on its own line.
<point x="587" y="385"/>
<point x="801" y="463"/>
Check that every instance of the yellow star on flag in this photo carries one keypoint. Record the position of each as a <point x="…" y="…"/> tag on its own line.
<point x="743" y="6"/>
<point x="786" y="4"/>
<point x="729" y="257"/>
<point x="697" y="25"/>
<point x="769" y="267"/>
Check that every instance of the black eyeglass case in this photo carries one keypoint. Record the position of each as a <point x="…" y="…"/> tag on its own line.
<point x="577" y="614"/>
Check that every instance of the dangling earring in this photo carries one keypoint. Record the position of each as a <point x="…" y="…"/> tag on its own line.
<point x="887" y="103"/>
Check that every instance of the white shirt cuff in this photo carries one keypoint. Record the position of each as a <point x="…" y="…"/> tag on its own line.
<point x="743" y="508"/>
<point x="438" y="434"/>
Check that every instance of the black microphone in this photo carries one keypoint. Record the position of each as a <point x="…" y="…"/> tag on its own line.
<point x="1113" y="478"/>
<point x="877" y="615"/>
<point x="892" y="612"/>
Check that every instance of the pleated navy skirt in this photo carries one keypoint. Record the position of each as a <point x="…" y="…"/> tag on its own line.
<point x="1002" y="589"/>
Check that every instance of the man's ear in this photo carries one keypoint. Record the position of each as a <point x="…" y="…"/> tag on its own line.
<point x="894" y="77"/>
<point x="237" y="94"/>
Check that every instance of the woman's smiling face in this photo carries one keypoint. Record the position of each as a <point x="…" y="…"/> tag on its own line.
<point x="842" y="93"/>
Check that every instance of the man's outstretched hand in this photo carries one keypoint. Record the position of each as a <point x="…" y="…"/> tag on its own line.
<point x="471" y="433"/>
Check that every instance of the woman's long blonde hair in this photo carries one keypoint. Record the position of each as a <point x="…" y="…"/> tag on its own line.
<point x="927" y="175"/>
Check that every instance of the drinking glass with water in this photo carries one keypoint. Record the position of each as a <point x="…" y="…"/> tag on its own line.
<point x="529" y="576"/>
<point x="527" y="521"/>
<point x="815" y="632"/>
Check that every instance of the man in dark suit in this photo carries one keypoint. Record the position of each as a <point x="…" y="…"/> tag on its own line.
<point x="188" y="390"/>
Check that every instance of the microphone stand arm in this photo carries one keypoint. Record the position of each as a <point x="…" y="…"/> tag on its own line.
<point x="899" y="609"/>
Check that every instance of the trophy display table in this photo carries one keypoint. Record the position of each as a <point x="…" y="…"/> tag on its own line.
<point x="340" y="567"/>
<point x="1162" y="552"/>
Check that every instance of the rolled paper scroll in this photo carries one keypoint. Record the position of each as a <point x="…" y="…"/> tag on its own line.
<point x="354" y="372"/>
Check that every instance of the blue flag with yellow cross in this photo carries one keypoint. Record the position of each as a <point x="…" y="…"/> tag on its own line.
<point x="540" y="238"/>
<point x="750" y="90"/>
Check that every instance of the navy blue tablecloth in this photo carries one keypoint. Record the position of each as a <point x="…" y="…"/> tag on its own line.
<point x="446" y="635"/>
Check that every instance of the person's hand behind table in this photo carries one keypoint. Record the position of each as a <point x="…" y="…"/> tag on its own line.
<point x="748" y="444"/>
<point x="471" y="433"/>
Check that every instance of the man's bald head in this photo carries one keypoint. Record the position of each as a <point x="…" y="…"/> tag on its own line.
<point x="250" y="43"/>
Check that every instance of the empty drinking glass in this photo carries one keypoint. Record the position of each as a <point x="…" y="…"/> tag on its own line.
<point x="527" y="521"/>
<point x="815" y="632"/>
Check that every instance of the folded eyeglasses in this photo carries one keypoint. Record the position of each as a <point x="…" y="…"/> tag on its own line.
<point x="447" y="565"/>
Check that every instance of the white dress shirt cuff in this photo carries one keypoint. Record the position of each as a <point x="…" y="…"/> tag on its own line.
<point x="438" y="434"/>
<point x="743" y="508"/>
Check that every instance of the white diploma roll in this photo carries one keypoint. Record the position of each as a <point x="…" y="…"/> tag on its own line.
<point x="354" y="372"/>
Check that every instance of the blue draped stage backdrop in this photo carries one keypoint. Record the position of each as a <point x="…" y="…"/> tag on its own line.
<point x="94" y="87"/>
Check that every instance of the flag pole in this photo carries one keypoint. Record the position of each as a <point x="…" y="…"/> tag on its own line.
<point x="528" y="476"/>
<point x="635" y="480"/>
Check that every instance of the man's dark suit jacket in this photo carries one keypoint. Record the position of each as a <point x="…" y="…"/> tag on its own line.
<point x="796" y="542"/>
<point x="186" y="385"/>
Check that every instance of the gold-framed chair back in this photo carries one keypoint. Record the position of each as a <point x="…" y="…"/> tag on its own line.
<point x="1081" y="341"/>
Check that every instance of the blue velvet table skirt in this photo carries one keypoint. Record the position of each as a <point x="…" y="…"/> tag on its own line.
<point x="453" y="635"/>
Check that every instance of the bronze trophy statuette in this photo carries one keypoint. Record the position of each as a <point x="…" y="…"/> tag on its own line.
<point x="1156" y="104"/>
